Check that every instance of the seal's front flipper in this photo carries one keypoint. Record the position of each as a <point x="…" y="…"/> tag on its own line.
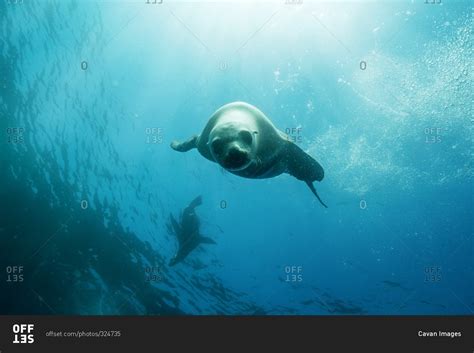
<point x="186" y="145"/>
<point x="303" y="167"/>
<point x="206" y="240"/>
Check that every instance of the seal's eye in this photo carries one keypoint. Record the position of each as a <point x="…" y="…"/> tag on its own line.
<point x="245" y="137"/>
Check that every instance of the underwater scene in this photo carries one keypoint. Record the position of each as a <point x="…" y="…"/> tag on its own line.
<point x="236" y="157"/>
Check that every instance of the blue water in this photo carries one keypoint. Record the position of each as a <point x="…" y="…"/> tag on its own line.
<point x="380" y="93"/>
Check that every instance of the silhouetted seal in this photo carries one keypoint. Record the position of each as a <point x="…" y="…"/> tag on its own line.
<point x="187" y="232"/>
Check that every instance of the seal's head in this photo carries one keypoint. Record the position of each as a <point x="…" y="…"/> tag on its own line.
<point x="232" y="146"/>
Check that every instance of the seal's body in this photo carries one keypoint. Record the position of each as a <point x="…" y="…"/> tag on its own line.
<point x="244" y="141"/>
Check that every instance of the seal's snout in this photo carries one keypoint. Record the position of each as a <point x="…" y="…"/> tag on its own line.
<point x="236" y="159"/>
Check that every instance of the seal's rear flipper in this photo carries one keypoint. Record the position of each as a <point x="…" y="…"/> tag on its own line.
<point x="311" y="186"/>
<point x="186" y="145"/>
<point x="304" y="167"/>
<point x="206" y="240"/>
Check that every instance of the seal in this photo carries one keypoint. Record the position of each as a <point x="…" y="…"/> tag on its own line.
<point x="240" y="138"/>
<point x="187" y="232"/>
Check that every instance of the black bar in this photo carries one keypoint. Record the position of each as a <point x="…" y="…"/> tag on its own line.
<point x="290" y="333"/>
